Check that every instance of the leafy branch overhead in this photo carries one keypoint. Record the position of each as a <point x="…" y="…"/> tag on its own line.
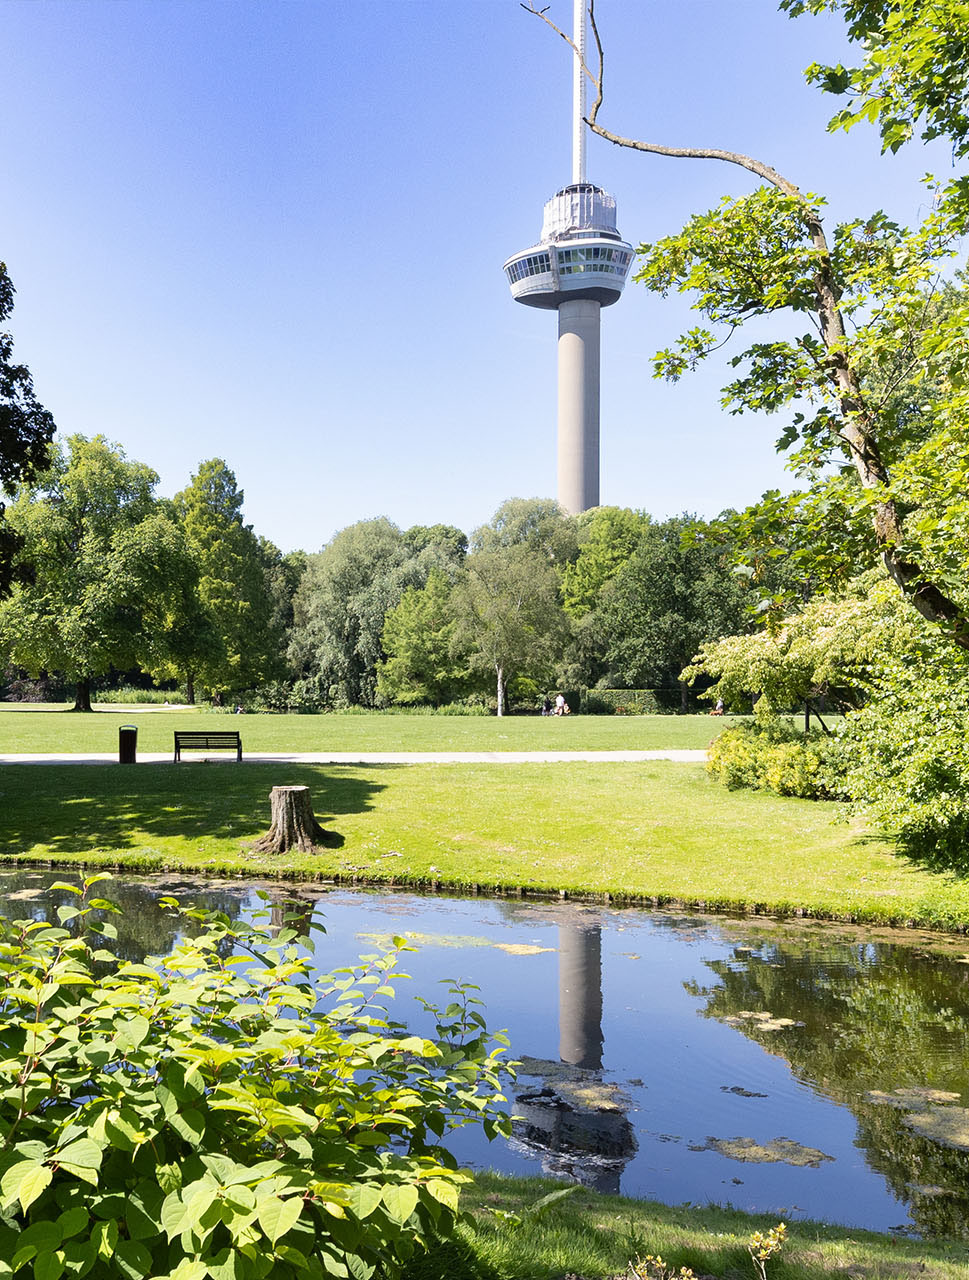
<point x="867" y="294"/>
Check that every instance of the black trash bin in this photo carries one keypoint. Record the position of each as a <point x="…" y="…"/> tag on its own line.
<point x="127" y="743"/>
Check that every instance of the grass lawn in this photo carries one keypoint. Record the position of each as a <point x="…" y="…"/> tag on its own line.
<point x="659" y="830"/>
<point x="49" y="727"/>
<point x="595" y="1236"/>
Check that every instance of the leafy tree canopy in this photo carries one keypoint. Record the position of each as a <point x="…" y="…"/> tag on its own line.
<point x="607" y="538"/>
<point x="242" y="643"/>
<point x="109" y="568"/>
<point x="914" y="70"/>
<point x="418" y="638"/>
<point x="509" y="617"/>
<point x="26" y="430"/>
<point x="539" y="523"/>
<point x="676" y="591"/>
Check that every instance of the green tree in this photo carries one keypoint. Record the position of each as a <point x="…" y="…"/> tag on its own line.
<point x="242" y="645"/>
<point x="538" y="523"/>
<point x="607" y="538"/>
<point x="26" y="432"/>
<point x="826" y="648"/>
<point x="674" y="593"/>
<point x="110" y="574"/>
<point x="510" y="620"/>
<point x="344" y="598"/>
<point x="864" y="291"/>
<point x="418" y="638"/>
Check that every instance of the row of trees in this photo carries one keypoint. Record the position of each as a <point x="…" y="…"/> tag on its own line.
<point x="536" y="599"/>
<point x="111" y="578"/>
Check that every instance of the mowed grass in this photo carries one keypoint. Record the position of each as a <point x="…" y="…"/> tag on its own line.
<point x="661" y="831"/>
<point x="596" y="1236"/>
<point x="54" y="728"/>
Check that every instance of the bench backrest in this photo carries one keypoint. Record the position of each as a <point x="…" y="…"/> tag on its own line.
<point x="210" y="739"/>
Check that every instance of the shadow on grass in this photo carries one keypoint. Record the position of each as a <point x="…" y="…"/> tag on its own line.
<point x="449" y="1260"/>
<point x="81" y="808"/>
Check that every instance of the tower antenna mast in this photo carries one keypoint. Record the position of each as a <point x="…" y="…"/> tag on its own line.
<point x="578" y="91"/>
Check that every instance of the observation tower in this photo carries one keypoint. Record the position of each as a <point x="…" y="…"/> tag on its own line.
<point x="578" y="267"/>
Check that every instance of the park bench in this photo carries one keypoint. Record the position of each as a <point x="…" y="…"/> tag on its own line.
<point x="207" y="740"/>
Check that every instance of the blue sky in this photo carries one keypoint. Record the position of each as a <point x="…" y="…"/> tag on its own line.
<point x="273" y="232"/>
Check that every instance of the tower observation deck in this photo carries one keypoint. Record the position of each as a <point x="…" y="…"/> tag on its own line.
<point x="580" y="254"/>
<point x="578" y="267"/>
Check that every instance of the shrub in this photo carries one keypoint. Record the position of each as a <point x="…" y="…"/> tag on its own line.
<point x="129" y="695"/>
<point x="904" y="758"/>
<point x="624" y="702"/>
<point x="221" y="1112"/>
<point x="773" y="755"/>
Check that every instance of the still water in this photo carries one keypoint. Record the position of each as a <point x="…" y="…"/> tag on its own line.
<point x="800" y="1069"/>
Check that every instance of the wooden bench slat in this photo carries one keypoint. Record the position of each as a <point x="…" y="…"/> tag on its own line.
<point x="208" y="740"/>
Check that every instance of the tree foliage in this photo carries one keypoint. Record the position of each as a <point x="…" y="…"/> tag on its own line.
<point x="237" y="638"/>
<point x="914" y="70"/>
<point x="26" y="430"/>
<point x="418" y="638"/>
<point x="607" y="538"/>
<point x="111" y="579"/>
<point x="344" y="598"/>
<point x="222" y="1111"/>
<point x="510" y="621"/>
<point x="675" y="592"/>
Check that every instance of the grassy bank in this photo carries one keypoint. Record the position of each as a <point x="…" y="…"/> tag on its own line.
<point x="595" y="1236"/>
<point x="55" y="728"/>
<point x="660" y="831"/>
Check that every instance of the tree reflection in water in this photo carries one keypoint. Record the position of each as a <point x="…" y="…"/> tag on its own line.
<point x="876" y="1017"/>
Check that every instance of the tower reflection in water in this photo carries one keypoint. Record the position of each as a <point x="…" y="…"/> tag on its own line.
<point x="565" y="1112"/>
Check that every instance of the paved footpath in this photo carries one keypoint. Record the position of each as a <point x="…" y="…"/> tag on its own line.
<point x="377" y="757"/>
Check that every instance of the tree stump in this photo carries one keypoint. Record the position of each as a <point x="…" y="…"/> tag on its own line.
<point x="293" y="823"/>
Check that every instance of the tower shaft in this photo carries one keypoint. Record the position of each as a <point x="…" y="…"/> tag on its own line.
<point x="578" y="405"/>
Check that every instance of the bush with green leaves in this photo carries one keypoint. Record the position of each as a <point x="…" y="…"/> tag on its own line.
<point x="771" y="754"/>
<point x="222" y="1112"/>
<point x="903" y="759"/>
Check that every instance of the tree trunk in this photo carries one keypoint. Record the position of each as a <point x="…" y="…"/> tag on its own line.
<point x="82" y="694"/>
<point x="684" y="697"/>
<point x="190" y="688"/>
<point x="293" y="823"/>
<point x="501" y="690"/>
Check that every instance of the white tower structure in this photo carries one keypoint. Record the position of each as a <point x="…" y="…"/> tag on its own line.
<point x="579" y="266"/>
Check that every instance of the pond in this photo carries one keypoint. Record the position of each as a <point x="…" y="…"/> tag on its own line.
<point x="798" y="1069"/>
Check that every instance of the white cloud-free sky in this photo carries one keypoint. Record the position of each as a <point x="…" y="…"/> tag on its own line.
<point x="273" y="232"/>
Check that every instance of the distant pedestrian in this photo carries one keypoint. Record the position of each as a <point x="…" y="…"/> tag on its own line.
<point x="560" y="704"/>
<point x="718" y="709"/>
<point x="546" y="706"/>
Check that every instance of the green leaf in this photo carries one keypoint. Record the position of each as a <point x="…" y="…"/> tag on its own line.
<point x="228" y="1264"/>
<point x="34" y="1183"/>
<point x="276" y="1216"/>
<point x="363" y="1199"/>
<point x="445" y="1192"/>
<point x="49" y="1266"/>
<point x="132" y="1259"/>
<point x="105" y="1238"/>
<point x="188" y="1124"/>
<point x="72" y="1222"/>
<point x="132" y="1033"/>
<point x="82" y="1159"/>
<point x="400" y="1200"/>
